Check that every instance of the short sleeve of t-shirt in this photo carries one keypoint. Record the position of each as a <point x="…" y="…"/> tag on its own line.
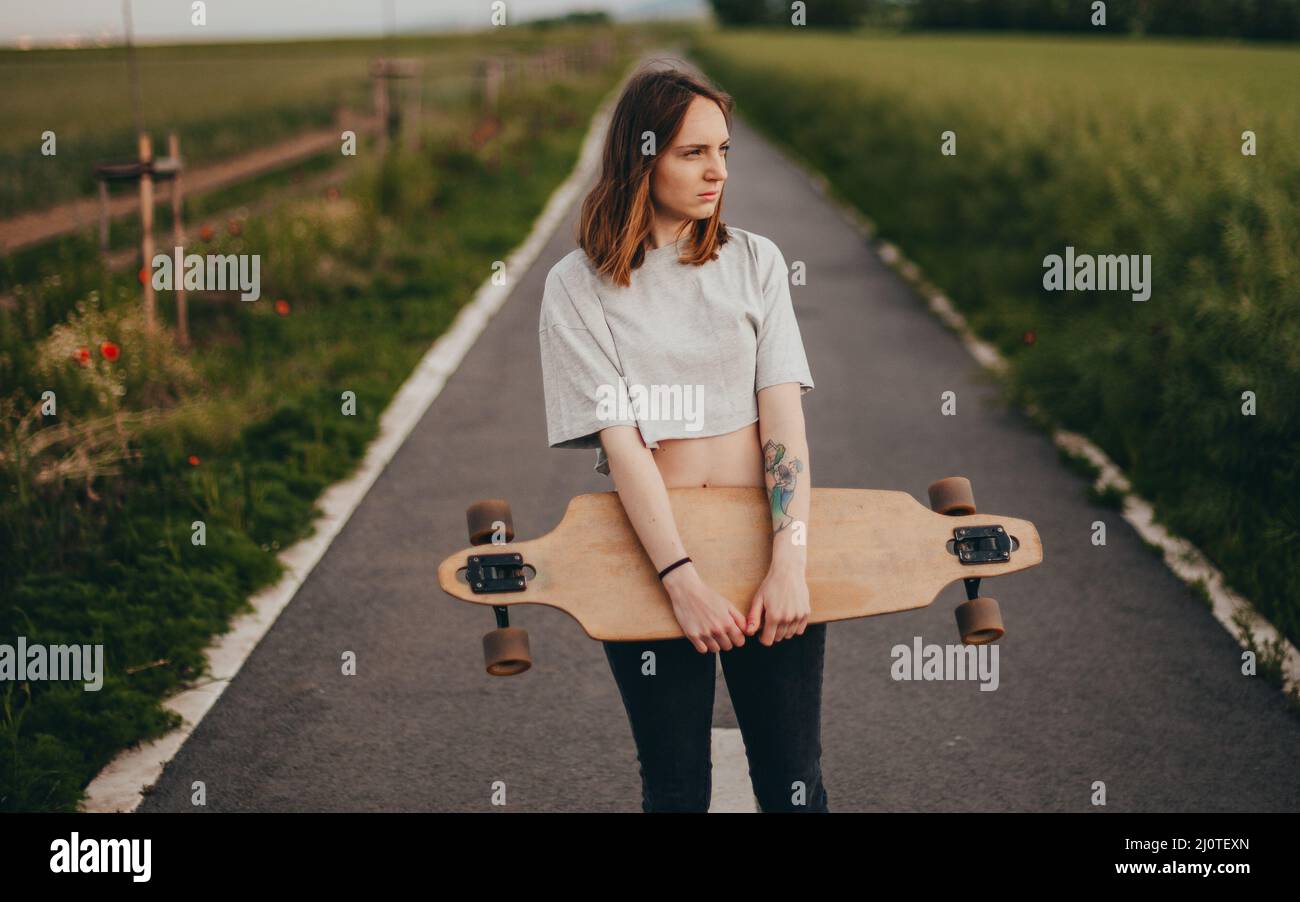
<point x="574" y="369"/>
<point x="780" y="355"/>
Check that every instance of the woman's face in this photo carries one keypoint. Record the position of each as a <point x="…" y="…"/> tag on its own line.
<point x="687" y="179"/>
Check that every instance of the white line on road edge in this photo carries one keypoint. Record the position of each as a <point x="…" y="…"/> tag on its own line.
<point x="121" y="785"/>
<point x="1235" y="612"/>
<point x="732" y="790"/>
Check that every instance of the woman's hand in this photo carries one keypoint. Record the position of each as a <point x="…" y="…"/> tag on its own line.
<point x="781" y="602"/>
<point x="708" y="619"/>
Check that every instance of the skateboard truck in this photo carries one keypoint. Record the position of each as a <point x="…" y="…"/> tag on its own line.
<point x="505" y="649"/>
<point x="487" y="573"/>
<point x="981" y="544"/>
<point x="978" y="618"/>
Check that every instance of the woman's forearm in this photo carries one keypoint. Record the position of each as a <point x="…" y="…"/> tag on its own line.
<point x="641" y="489"/>
<point x="787" y="471"/>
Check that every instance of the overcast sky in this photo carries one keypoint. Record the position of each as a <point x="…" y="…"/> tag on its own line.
<point x="44" y="22"/>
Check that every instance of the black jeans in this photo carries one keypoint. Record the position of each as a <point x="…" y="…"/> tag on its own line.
<point x="776" y="692"/>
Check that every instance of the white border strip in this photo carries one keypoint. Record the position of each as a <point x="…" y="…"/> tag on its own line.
<point x="1237" y="615"/>
<point x="121" y="785"/>
<point x="733" y="793"/>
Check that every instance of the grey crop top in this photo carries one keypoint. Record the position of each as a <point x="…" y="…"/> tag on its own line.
<point x="680" y="353"/>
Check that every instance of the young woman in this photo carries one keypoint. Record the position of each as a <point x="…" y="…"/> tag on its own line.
<point x="663" y="302"/>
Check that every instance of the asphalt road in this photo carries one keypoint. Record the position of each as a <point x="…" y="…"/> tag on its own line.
<point x="1110" y="669"/>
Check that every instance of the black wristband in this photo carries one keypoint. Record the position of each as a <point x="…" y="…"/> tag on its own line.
<point x="664" y="571"/>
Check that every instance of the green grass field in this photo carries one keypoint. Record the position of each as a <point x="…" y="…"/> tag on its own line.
<point x="223" y="99"/>
<point x="1112" y="147"/>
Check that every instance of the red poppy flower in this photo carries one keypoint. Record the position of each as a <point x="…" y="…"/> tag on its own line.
<point x="206" y="232"/>
<point x="1030" y="337"/>
<point x="144" y="275"/>
<point x="109" y="350"/>
<point x="194" y="460"/>
<point x="82" y="356"/>
<point x="282" y="307"/>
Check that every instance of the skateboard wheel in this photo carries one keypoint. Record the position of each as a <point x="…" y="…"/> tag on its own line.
<point x="505" y="651"/>
<point x="979" y="621"/>
<point x="481" y="515"/>
<point x="952" y="496"/>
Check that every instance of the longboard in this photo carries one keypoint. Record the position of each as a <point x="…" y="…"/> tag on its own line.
<point x="870" y="552"/>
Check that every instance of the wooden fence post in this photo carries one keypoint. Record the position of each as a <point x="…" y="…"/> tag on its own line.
<point x="380" y="88"/>
<point x="182" y="314"/>
<point x="146" y="226"/>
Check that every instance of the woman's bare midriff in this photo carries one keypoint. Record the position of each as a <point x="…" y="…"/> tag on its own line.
<point x="733" y="458"/>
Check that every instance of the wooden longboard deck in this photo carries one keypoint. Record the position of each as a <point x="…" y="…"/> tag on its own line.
<point x="870" y="551"/>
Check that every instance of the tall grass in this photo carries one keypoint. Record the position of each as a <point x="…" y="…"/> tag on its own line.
<point x="1111" y="146"/>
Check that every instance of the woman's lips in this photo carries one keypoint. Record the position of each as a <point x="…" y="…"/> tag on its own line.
<point x="709" y="195"/>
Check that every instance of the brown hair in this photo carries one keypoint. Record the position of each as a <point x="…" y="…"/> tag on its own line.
<point x="617" y="214"/>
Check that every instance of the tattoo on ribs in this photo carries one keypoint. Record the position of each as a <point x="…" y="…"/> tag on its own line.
<point x="783" y="472"/>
